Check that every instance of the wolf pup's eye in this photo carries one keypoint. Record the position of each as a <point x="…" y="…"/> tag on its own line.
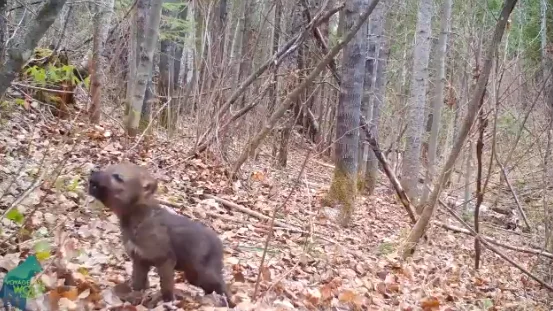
<point x="117" y="177"/>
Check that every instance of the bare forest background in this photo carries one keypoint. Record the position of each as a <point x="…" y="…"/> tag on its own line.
<point x="414" y="136"/>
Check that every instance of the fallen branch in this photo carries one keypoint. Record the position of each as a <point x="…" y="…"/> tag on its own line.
<point x="493" y="241"/>
<point x="393" y="179"/>
<point x="519" y="207"/>
<point x="246" y="210"/>
<point x="486" y="243"/>
<point x="322" y="44"/>
<point x="272" y="224"/>
<point x="240" y="208"/>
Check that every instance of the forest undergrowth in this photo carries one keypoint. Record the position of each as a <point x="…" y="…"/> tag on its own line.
<point x="312" y="263"/>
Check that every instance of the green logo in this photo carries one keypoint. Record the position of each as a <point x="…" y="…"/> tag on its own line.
<point x="16" y="288"/>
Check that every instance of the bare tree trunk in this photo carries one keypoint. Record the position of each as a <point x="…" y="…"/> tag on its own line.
<point x="543" y="34"/>
<point x="22" y="47"/>
<point x="98" y="77"/>
<point x="137" y="33"/>
<point x="368" y="85"/>
<point x="379" y="90"/>
<point x="438" y="98"/>
<point x="422" y="223"/>
<point x="165" y="81"/>
<point x="179" y="53"/>
<point x="344" y="182"/>
<point x="468" y="176"/>
<point x="548" y="221"/>
<point x="293" y="62"/>
<point x="144" y="68"/>
<point x="3" y="29"/>
<point x="415" y="122"/>
<point x="273" y="90"/>
<point x="247" y="37"/>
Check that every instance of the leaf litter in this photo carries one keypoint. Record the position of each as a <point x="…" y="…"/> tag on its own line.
<point x="312" y="263"/>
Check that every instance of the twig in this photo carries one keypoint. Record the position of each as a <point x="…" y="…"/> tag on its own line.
<point x="205" y="139"/>
<point x="282" y="226"/>
<point x="247" y="210"/>
<point x="519" y="207"/>
<point x="20" y="169"/>
<point x="494" y="241"/>
<point x="41" y="88"/>
<point x="393" y="179"/>
<point x="112" y="30"/>
<point x="479" y="191"/>
<point x="493" y="249"/>
<point x="32" y="188"/>
<point x="272" y="223"/>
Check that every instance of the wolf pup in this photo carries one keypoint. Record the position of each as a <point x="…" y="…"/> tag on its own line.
<point x="154" y="236"/>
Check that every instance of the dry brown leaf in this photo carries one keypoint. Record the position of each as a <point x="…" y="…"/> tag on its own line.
<point x="266" y="273"/>
<point x="326" y="292"/>
<point x="347" y="296"/>
<point x="430" y="303"/>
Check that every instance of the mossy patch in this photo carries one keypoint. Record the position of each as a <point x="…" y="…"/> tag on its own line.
<point x="343" y="191"/>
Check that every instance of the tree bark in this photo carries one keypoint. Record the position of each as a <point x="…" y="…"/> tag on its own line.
<point x="22" y="47"/>
<point x="422" y="223"/>
<point x="137" y="33"/>
<point x="379" y="90"/>
<point x="98" y="77"/>
<point x="3" y="28"/>
<point x="292" y="63"/>
<point x="416" y="107"/>
<point x="438" y="98"/>
<point x="144" y="68"/>
<point x="366" y="100"/>
<point x="273" y="90"/>
<point x="246" y="56"/>
<point x="344" y="181"/>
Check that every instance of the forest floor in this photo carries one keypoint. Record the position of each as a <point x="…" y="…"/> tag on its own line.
<point x="316" y="265"/>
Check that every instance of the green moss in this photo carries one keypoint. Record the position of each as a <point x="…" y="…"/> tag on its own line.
<point x="343" y="191"/>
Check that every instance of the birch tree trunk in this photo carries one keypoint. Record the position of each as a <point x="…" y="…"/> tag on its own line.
<point x="438" y="98"/>
<point x="98" y="77"/>
<point x="344" y="182"/>
<point x="422" y="223"/>
<point x="144" y="68"/>
<point x="22" y="46"/>
<point x="366" y="99"/>
<point x="415" y="111"/>
<point x="379" y="89"/>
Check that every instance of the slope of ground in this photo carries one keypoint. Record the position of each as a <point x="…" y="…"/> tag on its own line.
<point x="311" y="264"/>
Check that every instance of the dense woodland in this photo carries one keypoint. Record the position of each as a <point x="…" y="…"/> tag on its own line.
<point x="351" y="155"/>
